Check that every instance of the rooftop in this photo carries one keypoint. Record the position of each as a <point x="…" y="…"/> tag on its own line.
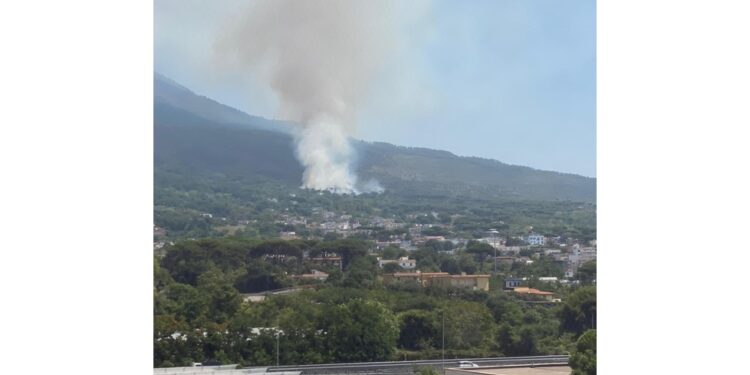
<point x="526" y="290"/>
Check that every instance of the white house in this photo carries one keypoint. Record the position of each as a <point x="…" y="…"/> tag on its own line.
<point x="535" y="239"/>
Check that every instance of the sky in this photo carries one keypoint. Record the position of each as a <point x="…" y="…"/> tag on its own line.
<point x="511" y="80"/>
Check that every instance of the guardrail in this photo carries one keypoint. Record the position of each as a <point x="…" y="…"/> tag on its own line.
<point x="407" y="367"/>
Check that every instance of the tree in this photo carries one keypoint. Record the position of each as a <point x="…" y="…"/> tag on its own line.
<point x="186" y="302"/>
<point x="587" y="272"/>
<point x="393" y="252"/>
<point x="359" y="331"/>
<point x="189" y="259"/>
<point x="467" y="264"/>
<point x="419" y="330"/>
<point x="391" y="268"/>
<point x="162" y="278"/>
<point x="224" y="300"/>
<point x="507" y="340"/>
<point x="480" y="250"/>
<point x="467" y="325"/>
<point x="450" y="265"/>
<point x="260" y="276"/>
<point x="362" y="273"/>
<point x="348" y="249"/>
<point x="504" y="309"/>
<point x="578" y="313"/>
<point x="583" y="359"/>
<point x="527" y="342"/>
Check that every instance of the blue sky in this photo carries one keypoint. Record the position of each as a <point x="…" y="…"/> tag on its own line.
<point x="511" y="80"/>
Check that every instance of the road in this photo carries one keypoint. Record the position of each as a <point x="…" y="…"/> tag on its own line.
<point x="407" y="367"/>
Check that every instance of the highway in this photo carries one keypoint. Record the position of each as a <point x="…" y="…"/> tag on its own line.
<point x="407" y="367"/>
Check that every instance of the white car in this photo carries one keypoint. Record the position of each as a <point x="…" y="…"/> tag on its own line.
<point x="465" y="364"/>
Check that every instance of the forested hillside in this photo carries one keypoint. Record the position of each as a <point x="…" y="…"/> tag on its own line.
<point x="197" y="135"/>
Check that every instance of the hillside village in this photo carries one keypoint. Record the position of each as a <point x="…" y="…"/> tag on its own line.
<point x="469" y="259"/>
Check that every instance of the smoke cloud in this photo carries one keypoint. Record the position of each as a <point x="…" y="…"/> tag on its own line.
<point x="319" y="57"/>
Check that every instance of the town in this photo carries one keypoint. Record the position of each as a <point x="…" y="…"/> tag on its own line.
<point x="396" y="245"/>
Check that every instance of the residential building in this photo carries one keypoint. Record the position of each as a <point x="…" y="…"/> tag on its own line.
<point x="535" y="239"/>
<point x="288" y="235"/>
<point x="418" y="277"/>
<point x="314" y="275"/>
<point x="513" y="282"/>
<point x="403" y="262"/>
<point x="328" y="259"/>
<point x="551" y="279"/>
<point x="473" y="282"/>
<point x="549" y="296"/>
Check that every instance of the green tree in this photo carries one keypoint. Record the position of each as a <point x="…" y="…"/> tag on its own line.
<point x="578" y="313"/>
<point x="393" y="252"/>
<point x="468" y="325"/>
<point x="583" y="359"/>
<point x="186" y="302"/>
<point x="507" y="340"/>
<point x="419" y="330"/>
<point x="260" y="276"/>
<point x="466" y="264"/>
<point x="481" y="251"/>
<point x="362" y="273"/>
<point x="224" y="300"/>
<point x="359" y="331"/>
<point x="450" y="265"/>
<point x="391" y="268"/>
<point x="587" y="272"/>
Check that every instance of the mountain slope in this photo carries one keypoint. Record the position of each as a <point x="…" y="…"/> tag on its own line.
<point x="196" y="135"/>
<point x="168" y="93"/>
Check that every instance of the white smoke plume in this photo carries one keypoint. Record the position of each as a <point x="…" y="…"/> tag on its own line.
<point x="318" y="56"/>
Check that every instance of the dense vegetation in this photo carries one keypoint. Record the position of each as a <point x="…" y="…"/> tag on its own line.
<point x="200" y="315"/>
<point x="180" y="202"/>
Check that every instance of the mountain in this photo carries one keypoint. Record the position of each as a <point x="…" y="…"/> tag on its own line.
<point x="195" y="135"/>
<point x="172" y="95"/>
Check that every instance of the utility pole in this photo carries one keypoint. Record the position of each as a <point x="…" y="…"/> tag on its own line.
<point x="443" y="341"/>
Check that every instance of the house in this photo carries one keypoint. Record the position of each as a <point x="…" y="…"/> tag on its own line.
<point x="535" y="239"/>
<point x="314" y="275"/>
<point x="403" y="262"/>
<point x="548" y="279"/>
<point x="417" y="277"/>
<point x="512" y="282"/>
<point x="473" y="282"/>
<point x="327" y="259"/>
<point x="552" y="251"/>
<point x="288" y="235"/>
<point x="510" y="249"/>
<point x="549" y="296"/>
<point x="383" y="244"/>
<point x="524" y="260"/>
